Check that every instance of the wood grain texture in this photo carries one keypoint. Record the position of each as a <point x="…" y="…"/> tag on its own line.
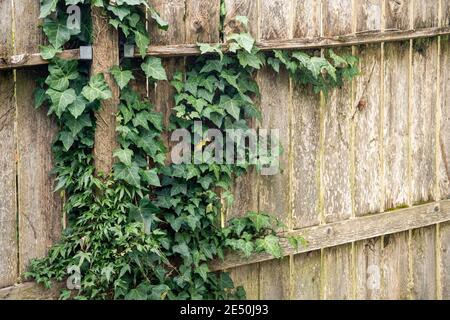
<point x="424" y="92"/>
<point x="395" y="134"/>
<point x="246" y="8"/>
<point x="274" y="193"/>
<point x="173" y="12"/>
<point x="30" y="291"/>
<point x="26" y="60"/>
<point x="423" y="255"/>
<point x="444" y="136"/>
<point x="337" y="273"/>
<point x="39" y="207"/>
<point x="348" y="231"/>
<point x="8" y="209"/>
<point x="275" y="19"/>
<point x="274" y="280"/>
<point x="445" y="260"/>
<point x="305" y="157"/>
<point x="398" y="14"/>
<point x="337" y="202"/>
<point x="245" y="192"/>
<point x="105" y="55"/>
<point x="306" y="275"/>
<point x="248" y="277"/>
<point x="202" y="21"/>
<point x="445" y="13"/>
<point x="368" y="15"/>
<point x="426" y="14"/>
<point x="337" y="17"/>
<point x="395" y="266"/>
<point x="368" y="269"/>
<point x="307" y="17"/>
<point x="367" y="132"/>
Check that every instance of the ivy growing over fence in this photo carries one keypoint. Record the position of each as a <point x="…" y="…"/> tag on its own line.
<point x="150" y="231"/>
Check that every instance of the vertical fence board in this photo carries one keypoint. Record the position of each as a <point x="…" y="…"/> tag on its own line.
<point x="337" y="17"/>
<point x="247" y="8"/>
<point x="423" y="122"/>
<point x="423" y="256"/>
<point x="307" y="18"/>
<point x="445" y="12"/>
<point x="396" y="124"/>
<point x="444" y="137"/>
<point x="306" y="144"/>
<point x="397" y="14"/>
<point x="247" y="277"/>
<point x="445" y="260"/>
<point x="368" y="13"/>
<point x="337" y="279"/>
<point x="8" y="218"/>
<point x="39" y="208"/>
<point x="274" y="19"/>
<point x="426" y="14"/>
<point x="367" y="132"/>
<point x="368" y="269"/>
<point x="395" y="266"/>
<point x="172" y="11"/>
<point x="306" y="276"/>
<point x="202" y="21"/>
<point x="274" y="280"/>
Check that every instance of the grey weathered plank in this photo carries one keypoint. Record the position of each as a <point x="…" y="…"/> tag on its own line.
<point x="423" y="255"/>
<point x="347" y="231"/>
<point x="445" y="21"/>
<point x="337" y="273"/>
<point x="247" y="276"/>
<point x="444" y="262"/>
<point x="306" y="276"/>
<point x="246" y="8"/>
<point x="337" y="17"/>
<point x="424" y="92"/>
<point x="426" y="14"/>
<point x="398" y="14"/>
<point x="8" y="213"/>
<point x="202" y="21"/>
<point x="368" y="269"/>
<point x="368" y="144"/>
<point x="39" y="208"/>
<point x="368" y="15"/>
<point x="395" y="266"/>
<point x="395" y="133"/>
<point x="307" y="18"/>
<point x="305" y="157"/>
<point x="444" y="135"/>
<point x="30" y="291"/>
<point x="275" y="19"/>
<point x="274" y="280"/>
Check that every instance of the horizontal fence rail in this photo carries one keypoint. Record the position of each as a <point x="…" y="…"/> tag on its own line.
<point x="185" y="50"/>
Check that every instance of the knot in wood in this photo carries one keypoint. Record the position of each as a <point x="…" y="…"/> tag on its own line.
<point x="198" y="26"/>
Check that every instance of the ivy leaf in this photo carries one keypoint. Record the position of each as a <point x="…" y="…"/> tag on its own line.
<point x="78" y="106"/>
<point x="162" y="24"/>
<point x="142" y="42"/>
<point x="260" y="221"/>
<point x="39" y="97"/>
<point x="145" y="213"/>
<point x="120" y="12"/>
<point x="206" y="48"/>
<point x="129" y="174"/>
<point x="60" y="100"/>
<point x="274" y="63"/>
<point x="49" y="52"/>
<point x="57" y="33"/>
<point x="249" y="59"/>
<point x="153" y="69"/>
<point x="202" y="271"/>
<point x="76" y="125"/>
<point x="47" y="7"/>
<point x="182" y="249"/>
<point x="67" y="139"/>
<point x="244" y="40"/>
<point x="212" y="65"/>
<point x="97" y="89"/>
<point x="271" y="245"/>
<point x="124" y="156"/>
<point x="151" y="177"/>
<point x="130" y="2"/>
<point x="231" y="106"/>
<point x="122" y="77"/>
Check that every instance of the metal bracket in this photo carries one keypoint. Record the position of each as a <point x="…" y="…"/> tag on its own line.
<point x="128" y="51"/>
<point x="85" y="52"/>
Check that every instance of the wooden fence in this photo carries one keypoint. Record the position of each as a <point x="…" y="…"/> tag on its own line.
<point x="366" y="172"/>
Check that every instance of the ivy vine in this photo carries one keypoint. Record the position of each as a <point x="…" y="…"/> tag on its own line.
<point x="150" y="231"/>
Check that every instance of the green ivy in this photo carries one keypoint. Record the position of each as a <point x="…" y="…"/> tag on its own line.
<point x="150" y="230"/>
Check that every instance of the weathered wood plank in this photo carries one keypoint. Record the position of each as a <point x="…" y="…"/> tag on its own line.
<point x="336" y="273"/>
<point x="305" y="157"/>
<point x="347" y="231"/>
<point x="39" y="208"/>
<point x="398" y="14"/>
<point x="424" y="92"/>
<point x="368" y="269"/>
<point x="426" y="14"/>
<point x="247" y="276"/>
<point x="423" y="254"/>
<point x="395" y="133"/>
<point x="275" y="22"/>
<point x="246" y="8"/>
<point x="367" y="132"/>
<point x="8" y="209"/>
<point x="337" y="17"/>
<point x="30" y="291"/>
<point x="445" y="260"/>
<point x="368" y="15"/>
<point x="307" y="17"/>
<point x="395" y="266"/>
<point x="202" y="21"/>
<point x="33" y="59"/>
<point x="306" y="275"/>
<point x="445" y="21"/>
<point x="444" y="137"/>
<point x="172" y="11"/>
<point x="274" y="280"/>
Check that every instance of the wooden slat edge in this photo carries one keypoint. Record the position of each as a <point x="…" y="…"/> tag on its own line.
<point x="30" y="291"/>
<point x="35" y="59"/>
<point x="348" y="231"/>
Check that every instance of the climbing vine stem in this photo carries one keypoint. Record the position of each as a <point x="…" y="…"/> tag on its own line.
<point x="153" y="228"/>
